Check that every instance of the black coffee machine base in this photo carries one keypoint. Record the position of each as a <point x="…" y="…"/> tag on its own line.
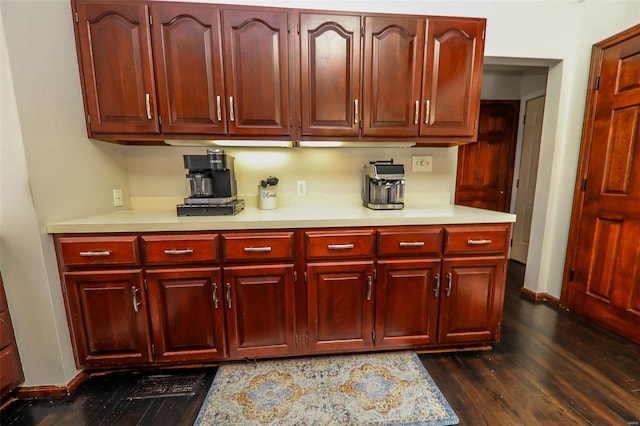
<point x="228" y="209"/>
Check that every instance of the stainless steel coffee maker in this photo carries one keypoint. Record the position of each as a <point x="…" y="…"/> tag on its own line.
<point x="383" y="185"/>
<point x="212" y="185"/>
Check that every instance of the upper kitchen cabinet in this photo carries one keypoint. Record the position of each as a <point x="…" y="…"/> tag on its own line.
<point x="393" y="54"/>
<point x="257" y="66"/>
<point x="330" y="74"/>
<point x="187" y="49"/>
<point x="114" y="45"/>
<point x="452" y="77"/>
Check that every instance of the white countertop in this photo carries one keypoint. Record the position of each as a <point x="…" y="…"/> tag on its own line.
<point x="319" y="213"/>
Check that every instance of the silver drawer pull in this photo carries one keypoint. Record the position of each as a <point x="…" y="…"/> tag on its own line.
<point x="411" y="243"/>
<point x="134" y="299"/>
<point x="175" y="251"/>
<point x="257" y="249"/>
<point x="103" y="253"/>
<point x="147" y="105"/>
<point x="215" y="296"/>
<point x="369" y="284"/>
<point x="340" y="246"/>
<point x="218" y="109"/>
<point x="478" y="242"/>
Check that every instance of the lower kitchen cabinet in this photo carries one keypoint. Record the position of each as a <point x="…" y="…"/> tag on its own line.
<point x="187" y="314"/>
<point x="11" y="374"/>
<point x="407" y="295"/>
<point x="340" y="306"/>
<point x="108" y="317"/>
<point x="471" y="300"/>
<point x="260" y="310"/>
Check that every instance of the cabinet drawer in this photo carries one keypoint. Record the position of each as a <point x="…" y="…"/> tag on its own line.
<point x="341" y="244"/>
<point x="257" y="246"/>
<point x="10" y="370"/>
<point x="162" y="249"/>
<point x="410" y="242"/>
<point x="87" y="251"/>
<point x="476" y="239"/>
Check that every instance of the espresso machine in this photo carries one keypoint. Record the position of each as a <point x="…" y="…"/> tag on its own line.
<point x="212" y="185"/>
<point x="383" y="185"/>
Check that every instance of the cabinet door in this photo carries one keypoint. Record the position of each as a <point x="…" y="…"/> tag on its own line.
<point x="257" y="70"/>
<point x="340" y="306"/>
<point x="407" y="294"/>
<point x="330" y="74"/>
<point x="452" y="77"/>
<point x="187" y="314"/>
<point x="108" y="315"/>
<point x="188" y="62"/>
<point x="119" y="88"/>
<point x="471" y="300"/>
<point x="393" y="57"/>
<point x="260" y="310"/>
<point x="11" y="375"/>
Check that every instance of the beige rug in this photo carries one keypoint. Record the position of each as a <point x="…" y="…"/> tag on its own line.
<point x="390" y="388"/>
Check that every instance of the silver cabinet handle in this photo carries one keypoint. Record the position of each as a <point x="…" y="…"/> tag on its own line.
<point x="428" y="113"/>
<point x="147" y="104"/>
<point x="228" y="295"/>
<point x="355" y="112"/>
<point x="102" y="253"/>
<point x="340" y="246"/>
<point x="231" y="114"/>
<point x="218" y="109"/>
<point x="411" y="243"/>
<point x="215" y="296"/>
<point x="478" y="242"/>
<point x="436" y="290"/>
<point x="369" y="284"/>
<point x="178" y="252"/>
<point x="449" y="284"/>
<point x="134" y="299"/>
<point x="257" y="249"/>
<point x="417" y="116"/>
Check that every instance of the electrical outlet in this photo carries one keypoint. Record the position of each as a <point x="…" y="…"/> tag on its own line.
<point x="117" y="197"/>
<point x="421" y="163"/>
<point x="301" y="187"/>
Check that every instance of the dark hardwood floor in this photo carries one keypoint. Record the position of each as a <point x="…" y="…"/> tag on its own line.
<point x="551" y="368"/>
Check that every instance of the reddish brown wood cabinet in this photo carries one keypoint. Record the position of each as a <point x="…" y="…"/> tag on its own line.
<point x="187" y="50"/>
<point x="452" y="77"/>
<point x="11" y="374"/>
<point x="191" y="297"/>
<point x="187" y="314"/>
<point x="199" y="70"/>
<point x="259" y="293"/>
<point x="107" y="311"/>
<point x="119" y="89"/>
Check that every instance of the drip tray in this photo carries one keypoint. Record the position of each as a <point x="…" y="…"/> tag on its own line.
<point x="234" y="207"/>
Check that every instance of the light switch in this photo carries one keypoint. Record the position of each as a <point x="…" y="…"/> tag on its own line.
<point x="421" y="163"/>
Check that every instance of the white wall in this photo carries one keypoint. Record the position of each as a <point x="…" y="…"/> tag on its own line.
<point x="70" y="176"/>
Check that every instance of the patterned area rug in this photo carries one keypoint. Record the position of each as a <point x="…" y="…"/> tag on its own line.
<point x="372" y="389"/>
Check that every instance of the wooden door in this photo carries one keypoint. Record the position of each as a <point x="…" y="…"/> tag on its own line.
<point x="527" y="177"/>
<point x="407" y="293"/>
<point x="485" y="168"/>
<point x="603" y="278"/>
<point x="471" y="300"/>
<point x="393" y="54"/>
<point x="330" y="73"/>
<point x="188" y="64"/>
<point x="340" y="306"/>
<point x="108" y="315"/>
<point x="260" y="310"/>
<point x="119" y="89"/>
<point x="452" y="77"/>
<point x="187" y="314"/>
<point x="257" y="72"/>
